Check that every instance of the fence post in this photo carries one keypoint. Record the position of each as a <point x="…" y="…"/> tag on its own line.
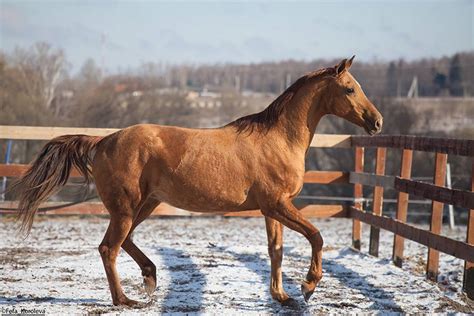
<point x="358" y="196"/>
<point x="377" y="202"/>
<point x="436" y="216"/>
<point x="468" y="280"/>
<point x="402" y="207"/>
<point x="7" y="161"/>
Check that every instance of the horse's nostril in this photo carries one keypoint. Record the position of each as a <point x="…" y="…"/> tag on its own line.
<point x="378" y="124"/>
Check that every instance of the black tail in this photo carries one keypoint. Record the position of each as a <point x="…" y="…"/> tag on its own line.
<point x="50" y="171"/>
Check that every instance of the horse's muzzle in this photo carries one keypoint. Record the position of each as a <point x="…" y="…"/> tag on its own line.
<point x="373" y="125"/>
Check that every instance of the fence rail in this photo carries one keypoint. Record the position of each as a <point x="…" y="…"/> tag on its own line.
<point x="460" y="198"/>
<point x="321" y="177"/>
<point x="452" y="146"/>
<point x="47" y="133"/>
<point x="444" y="244"/>
<point x="436" y="192"/>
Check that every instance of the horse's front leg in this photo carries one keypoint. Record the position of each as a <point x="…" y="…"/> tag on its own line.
<point x="275" y="250"/>
<point x="285" y="212"/>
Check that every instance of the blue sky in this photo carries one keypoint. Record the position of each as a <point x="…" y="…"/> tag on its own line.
<point x="241" y="32"/>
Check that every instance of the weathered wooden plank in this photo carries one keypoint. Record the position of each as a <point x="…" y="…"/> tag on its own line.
<point x="46" y="133"/>
<point x="444" y="244"/>
<point x="402" y="207"/>
<point x="377" y="202"/>
<point x="17" y="170"/>
<point x="468" y="279"/>
<point x="358" y="194"/>
<point x="84" y="208"/>
<point x="328" y="140"/>
<point x="321" y="177"/>
<point x="312" y="210"/>
<point x="372" y="180"/>
<point x="97" y="208"/>
<point x="436" y="216"/>
<point x="461" y="147"/>
<point x="440" y="194"/>
<point x="464" y="147"/>
<point x="326" y="177"/>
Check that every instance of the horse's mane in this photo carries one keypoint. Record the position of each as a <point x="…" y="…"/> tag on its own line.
<point x="264" y="120"/>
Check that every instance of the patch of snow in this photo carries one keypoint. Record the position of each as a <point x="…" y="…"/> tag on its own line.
<point x="217" y="266"/>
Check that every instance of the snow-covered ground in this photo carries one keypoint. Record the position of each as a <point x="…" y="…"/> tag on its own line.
<point x="216" y="266"/>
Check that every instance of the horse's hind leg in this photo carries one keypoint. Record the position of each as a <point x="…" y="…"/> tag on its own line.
<point x="118" y="230"/>
<point x="275" y="250"/>
<point x="146" y="265"/>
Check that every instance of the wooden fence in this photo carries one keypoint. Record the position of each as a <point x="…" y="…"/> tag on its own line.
<point x="436" y="192"/>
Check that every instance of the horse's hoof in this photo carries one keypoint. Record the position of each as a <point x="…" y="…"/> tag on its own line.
<point x="291" y="303"/>
<point x="136" y="304"/>
<point x="125" y="301"/>
<point x="150" y="284"/>
<point x="139" y="305"/>
<point x="307" y="289"/>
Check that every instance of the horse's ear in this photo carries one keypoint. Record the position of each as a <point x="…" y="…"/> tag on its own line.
<point x="344" y="65"/>
<point x="349" y="62"/>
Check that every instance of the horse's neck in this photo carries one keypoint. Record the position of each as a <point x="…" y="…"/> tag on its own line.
<point x="302" y="115"/>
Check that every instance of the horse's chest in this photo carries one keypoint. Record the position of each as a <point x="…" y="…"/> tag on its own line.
<point x="286" y="175"/>
<point x="293" y="181"/>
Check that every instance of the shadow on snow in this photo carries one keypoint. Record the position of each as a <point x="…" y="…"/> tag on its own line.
<point x="260" y="266"/>
<point x="186" y="286"/>
<point x="382" y="299"/>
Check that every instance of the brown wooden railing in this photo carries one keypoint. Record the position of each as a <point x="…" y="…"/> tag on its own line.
<point x="436" y="192"/>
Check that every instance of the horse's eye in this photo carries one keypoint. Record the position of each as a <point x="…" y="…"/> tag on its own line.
<point x="349" y="90"/>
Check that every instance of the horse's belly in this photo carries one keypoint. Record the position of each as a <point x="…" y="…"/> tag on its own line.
<point x="200" y="201"/>
<point x="208" y="206"/>
<point x="207" y="193"/>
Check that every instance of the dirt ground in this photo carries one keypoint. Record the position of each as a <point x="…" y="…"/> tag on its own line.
<point x="216" y="265"/>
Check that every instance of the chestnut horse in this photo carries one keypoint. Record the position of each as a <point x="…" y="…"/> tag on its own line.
<point x="255" y="162"/>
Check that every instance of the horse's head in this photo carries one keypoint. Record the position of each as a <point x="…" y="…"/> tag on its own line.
<point x="347" y="100"/>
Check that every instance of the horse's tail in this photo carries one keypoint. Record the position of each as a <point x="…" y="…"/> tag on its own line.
<point x="50" y="171"/>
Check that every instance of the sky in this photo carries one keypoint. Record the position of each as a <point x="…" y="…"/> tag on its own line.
<point x="125" y="34"/>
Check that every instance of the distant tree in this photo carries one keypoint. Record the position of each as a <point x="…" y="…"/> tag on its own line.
<point x="90" y="73"/>
<point x="40" y="70"/>
<point x="392" y="80"/>
<point x="441" y="82"/>
<point x="455" y="76"/>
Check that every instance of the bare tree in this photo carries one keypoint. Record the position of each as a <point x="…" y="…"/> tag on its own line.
<point x="90" y="74"/>
<point x="41" y="69"/>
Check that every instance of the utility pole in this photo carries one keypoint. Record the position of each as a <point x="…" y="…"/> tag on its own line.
<point x="288" y="80"/>
<point x="237" y="83"/>
<point x="413" y="91"/>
